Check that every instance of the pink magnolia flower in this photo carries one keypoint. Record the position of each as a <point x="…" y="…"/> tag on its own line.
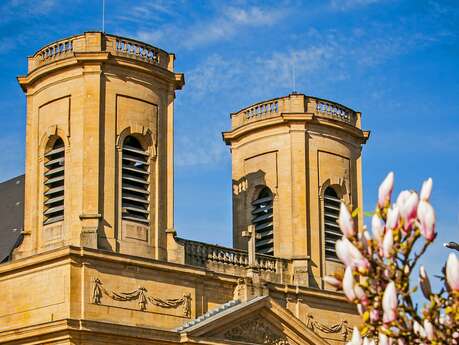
<point x="349" y="254"/>
<point x="360" y="294"/>
<point x="385" y="190"/>
<point x="333" y="281"/>
<point x="345" y="221"/>
<point x="426" y="216"/>
<point x="383" y="340"/>
<point x="388" y="243"/>
<point x="374" y="315"/>
<point x="418" y="329"/>
<point x="428" y="329"/>
<point x="426" y="189"/>
<point x="389" y="303"/>
<point x="356" y="338"/>
<point x="377" y="227"/>
<point x="348" y="284"/>
<point x="392" y="217"/>
<point x="452" y="272"/>
<point x="407" y="203"/>
<point x="424" y="282"/>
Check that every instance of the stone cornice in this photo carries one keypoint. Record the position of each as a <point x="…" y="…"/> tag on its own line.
<point x="78" y="256"/>
<point x="100" y="58"/>
<point x="286" y="119"/>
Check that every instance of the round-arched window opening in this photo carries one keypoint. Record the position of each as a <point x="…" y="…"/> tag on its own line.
<point x="262" y="219"/>
<point x="331" y="227"/>
<point x="54" y="183"/>
<point x="135" y="182"/>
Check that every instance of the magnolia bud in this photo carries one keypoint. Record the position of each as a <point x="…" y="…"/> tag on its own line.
<point x="424" y="282"/>
<point x="385" y="190"/>
<point x="407" y="203"/>
<point x="356" y="338"/>
<point x="452" y="272"/>
<point x="374" y="315"/>
<point x="418" y="329"/>
<point x="383" y="340"/>
<point x="349" y="254"/>
<point x="426" y="216"/>
<point x="388" y="243"/>
<point x="333" y="281"/>
<point x="428" y="329"/>
<point x="426" y="189"/>
<point x="360" y="294"/>
<point x="348" y="284"/>
<point x="392" y="217"/>
<point x="377" y="227"/>
<point x="345" y="221"/>
<point x="389" y="303"/>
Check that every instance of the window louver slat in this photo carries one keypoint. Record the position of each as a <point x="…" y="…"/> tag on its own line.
<point x="54" y="183"/>
<point x="331" y="227"/>
<point x="263" y="220"/>
<point x="135" y="181"/>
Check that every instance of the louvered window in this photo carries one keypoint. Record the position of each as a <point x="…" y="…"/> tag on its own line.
<point x="54" y="183"/>
<point x="332" y="230"/>
<point x="135" y="181"/>
<point x="262" y="218"/>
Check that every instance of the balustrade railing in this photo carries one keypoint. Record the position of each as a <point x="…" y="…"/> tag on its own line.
<point x="334" y="110"/>
<point x="200" y="254"/>
<point x="138" y="50"/>
<point x="262" y="110"/>
<point x="99" y="42"/>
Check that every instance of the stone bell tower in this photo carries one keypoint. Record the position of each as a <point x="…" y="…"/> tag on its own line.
<point x="99" y="146"/>
<point x="293" y="159"/>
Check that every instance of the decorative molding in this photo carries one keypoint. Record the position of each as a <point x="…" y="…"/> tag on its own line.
<point x="141" y="295"/>
<point x="257" y="331"/>
<point x="340" y="327"/>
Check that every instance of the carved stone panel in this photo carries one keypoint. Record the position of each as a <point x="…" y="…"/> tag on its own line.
<point x="256" y="330"/>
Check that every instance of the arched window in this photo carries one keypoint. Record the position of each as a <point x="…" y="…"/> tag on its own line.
<point x="54" y="183"/>
<point x="332" y="230"/>
<point x="135" y="182"/>
<point x="262" y="218"/>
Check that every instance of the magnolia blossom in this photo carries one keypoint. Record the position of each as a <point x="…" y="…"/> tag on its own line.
<point x="428" y="329"/>
<point x="345" y="221"/>
<point x="407" y="203"/>
<point x="360" y="294"/>
<point x="389" y="302"/>
<point x="333" y="281"/>
<point x="348" y="284"/>
<point x="383" y="340"/>
<point x="377" y="227"/>
<point x="356" y="338"/>
<point x="418" y="329"/>
<point x="426" y="189"/>
<point x="349" y="254"/>
<point x="452" y="272"/>
<point x="385" y="190"/>
<point x="426" y="216"/>
<point x="424" y="282"/>
<point x="388" y="243"/>
<point x="392" y="217"/>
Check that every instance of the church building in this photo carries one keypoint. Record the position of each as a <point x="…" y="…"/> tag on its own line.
<point x="88" y="250"/>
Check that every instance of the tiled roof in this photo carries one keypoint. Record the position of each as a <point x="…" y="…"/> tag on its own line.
<point x="224" y="309"/>
<point x="11" y="215"/>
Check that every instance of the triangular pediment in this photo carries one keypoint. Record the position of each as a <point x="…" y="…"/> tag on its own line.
<point x="259" y="321"/>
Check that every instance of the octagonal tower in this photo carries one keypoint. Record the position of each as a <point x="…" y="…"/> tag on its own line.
<point x="293" y="159"/>
<point x="99" y="145"/>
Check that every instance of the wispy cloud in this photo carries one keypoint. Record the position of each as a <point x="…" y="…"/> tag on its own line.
<point x="344" y="5"/>
<point x="224" y="24"/>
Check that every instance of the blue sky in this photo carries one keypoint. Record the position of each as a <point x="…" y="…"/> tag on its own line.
<point x="395" y="61"/>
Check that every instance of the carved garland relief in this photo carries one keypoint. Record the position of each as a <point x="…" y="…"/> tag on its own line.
<point x="141" y="295"/>
<point x="256" y="331"/>
<point x="340" y="327"/>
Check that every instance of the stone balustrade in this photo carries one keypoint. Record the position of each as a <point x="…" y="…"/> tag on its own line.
<point x="201" y="254"/>
<point x="293" y="104"/>
<point x="334" y="110"/>
<point x="94" y="42"/>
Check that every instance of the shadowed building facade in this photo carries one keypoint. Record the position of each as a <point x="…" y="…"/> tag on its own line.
<point x="90" y="254"/>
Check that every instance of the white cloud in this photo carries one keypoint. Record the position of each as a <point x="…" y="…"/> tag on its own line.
<point x="344" y="5"/>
